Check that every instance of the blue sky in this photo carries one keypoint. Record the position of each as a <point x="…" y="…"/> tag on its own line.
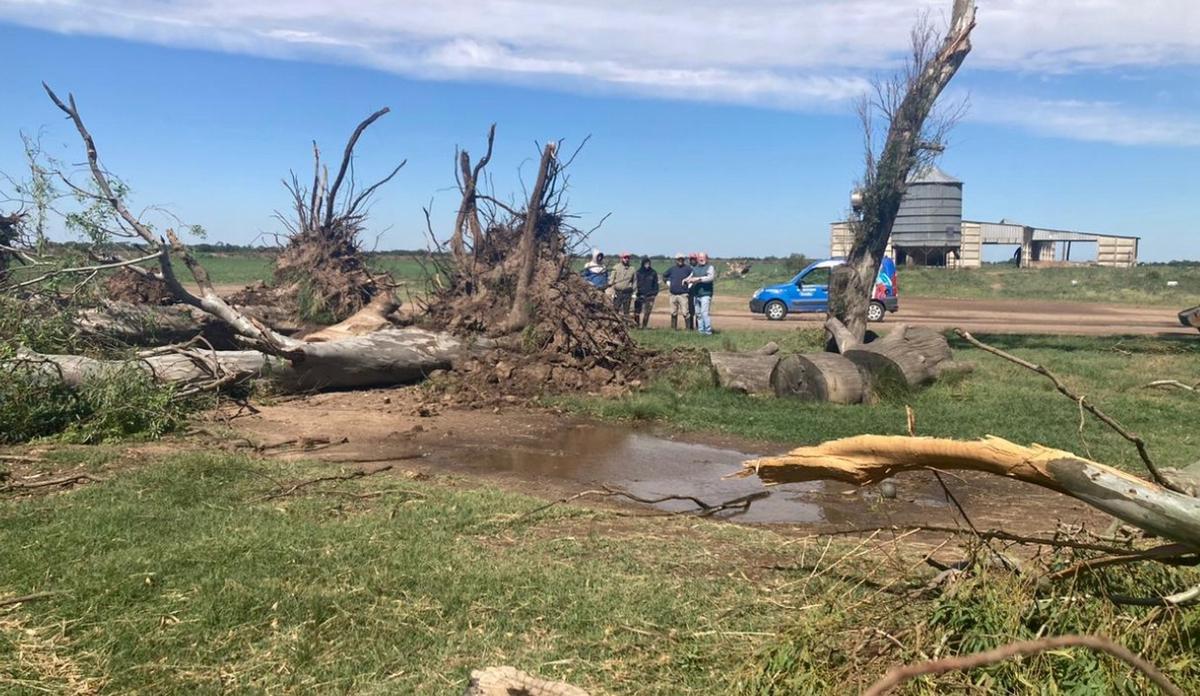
<point x="712" y="126"/>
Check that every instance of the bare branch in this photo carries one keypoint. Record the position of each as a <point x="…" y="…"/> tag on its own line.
<point x="1083" y="403"/>
<point x="347" y="155"/>
<point x="903" y="673"/>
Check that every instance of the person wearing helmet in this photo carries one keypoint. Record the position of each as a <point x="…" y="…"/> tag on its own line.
<point x="647" y="290"/>
<point x="623" y="280"/>
<point x="674" y="277"/>
<point x="594" y="272"/>
<point x="701" y="284"/>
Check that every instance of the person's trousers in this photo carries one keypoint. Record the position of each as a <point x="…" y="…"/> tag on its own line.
<point x="703" y="320"/>
<point x="680" y="305"/>
<point x="642" y="306"/>
<point x="621" y="300"/>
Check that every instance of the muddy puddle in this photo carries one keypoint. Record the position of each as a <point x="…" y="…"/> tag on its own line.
<point x="649" y="466"/>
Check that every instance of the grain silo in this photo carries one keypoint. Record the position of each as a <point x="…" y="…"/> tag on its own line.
<point x="928" y="229"/>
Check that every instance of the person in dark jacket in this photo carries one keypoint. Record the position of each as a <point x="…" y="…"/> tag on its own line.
<point x="674" y="277"/>
<point x="647" y="290"/>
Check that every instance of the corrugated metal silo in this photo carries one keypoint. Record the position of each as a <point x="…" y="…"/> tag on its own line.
<point x="930" y="214"/>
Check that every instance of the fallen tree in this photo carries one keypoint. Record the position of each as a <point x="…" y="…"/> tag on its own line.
<point x="362" y="352"/>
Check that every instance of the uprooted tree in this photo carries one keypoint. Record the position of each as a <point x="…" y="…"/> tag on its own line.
<point x="321" y="270"/>
<point x="509" y="287"/>
<point x="506" y="273"/>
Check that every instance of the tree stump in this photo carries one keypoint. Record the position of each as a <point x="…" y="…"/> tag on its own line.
<point x="509" y="681"/>
<point x="820" y="377"/>
<point x="748" y="373"/>
<point x="908" y="357"/>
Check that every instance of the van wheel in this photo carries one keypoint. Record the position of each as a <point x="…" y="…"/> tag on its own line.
<point x="775" y="310"/>
<point x="875" y="311"/>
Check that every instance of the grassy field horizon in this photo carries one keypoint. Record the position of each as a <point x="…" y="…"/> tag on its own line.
<point x="1141" y="285"/>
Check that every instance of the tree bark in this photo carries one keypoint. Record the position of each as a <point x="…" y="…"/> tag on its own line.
<point x="379" y="359"/>
<point x="518" y="317"/>
<point x="908" y="357"/>
<point x="850" y="285"/>
<point x="748" y="373"/>
<point x="820" y="377"/>
<point x="872" y="458"/>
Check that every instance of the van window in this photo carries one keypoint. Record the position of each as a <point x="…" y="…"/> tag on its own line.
<point x="817" y="276"/>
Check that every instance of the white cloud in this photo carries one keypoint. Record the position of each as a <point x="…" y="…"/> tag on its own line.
<point x="793" y="54"/>
<point x="1096" y="121"/>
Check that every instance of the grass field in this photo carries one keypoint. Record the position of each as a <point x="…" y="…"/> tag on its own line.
<point x="176" y="571"/>
<point x="998" y="399"/>
<point x="176" y="574"/>
<point x="1146" y="285"/>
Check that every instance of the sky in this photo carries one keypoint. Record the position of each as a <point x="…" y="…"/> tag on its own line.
<point x="721" y="126"/>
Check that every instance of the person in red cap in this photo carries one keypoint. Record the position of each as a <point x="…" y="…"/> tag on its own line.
<point x="623" y="280"/>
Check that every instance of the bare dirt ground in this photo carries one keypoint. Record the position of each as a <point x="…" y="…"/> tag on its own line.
<point x="982" y="316"/>
<point x="550" y="456"/>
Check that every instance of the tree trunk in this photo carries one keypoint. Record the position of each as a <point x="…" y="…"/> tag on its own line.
<point x="380" y="359"/>
<point x="159" y="325"/>
<point x="819" y="377"/>
<point x="884" y="184"/>
<point x="872" y="458"/>
<point x="748" y="373"/>
<point x="518" y="317"/>
<point x="907" y="357"/>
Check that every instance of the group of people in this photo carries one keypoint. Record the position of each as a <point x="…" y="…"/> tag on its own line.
<point x="633" y="291"/>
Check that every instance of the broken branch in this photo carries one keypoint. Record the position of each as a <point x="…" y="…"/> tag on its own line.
<point x="903" y="673"/>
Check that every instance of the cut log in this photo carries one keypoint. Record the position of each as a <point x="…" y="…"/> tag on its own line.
<point x="748" y="373"/>
<point x="509" y="681"/>
<point x="907" y="357"/>
<point x="872" y="458"/>
<point x="820" y="377"/>
<point x="383" y="358"/>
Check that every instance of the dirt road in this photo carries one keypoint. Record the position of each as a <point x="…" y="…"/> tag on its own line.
<point x="983" y="316"/>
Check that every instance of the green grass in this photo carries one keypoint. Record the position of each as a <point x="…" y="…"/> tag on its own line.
<point x="1146" y="285"/>
<point x="244" y="268"/>
<point x="997" y="399"/>
<point x="174" y="575"/>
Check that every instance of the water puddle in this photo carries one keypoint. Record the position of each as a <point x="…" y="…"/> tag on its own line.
<point x="647" y="466"/>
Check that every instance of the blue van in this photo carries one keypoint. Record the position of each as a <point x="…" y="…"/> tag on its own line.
<point x="809" y="292"/>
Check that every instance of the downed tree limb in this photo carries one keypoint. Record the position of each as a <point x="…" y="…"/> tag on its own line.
<point x="1084" y="404"/>
<point x="382" y="358"/>
<point x="903" y="673"/>
<point x="872" y="458"/>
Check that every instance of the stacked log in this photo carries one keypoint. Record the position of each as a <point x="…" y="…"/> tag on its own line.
<point x="907" y="358"/>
